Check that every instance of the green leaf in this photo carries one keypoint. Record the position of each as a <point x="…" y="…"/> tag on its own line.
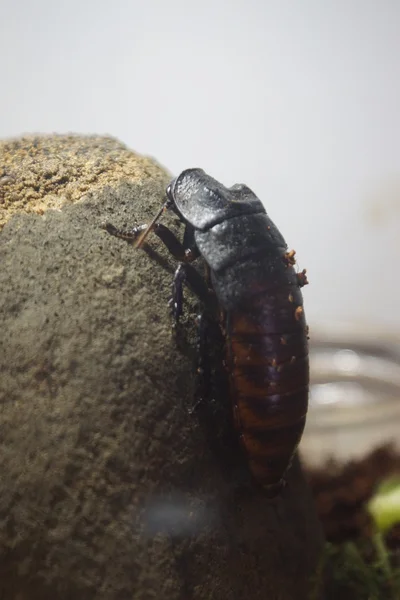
<point x="384" y="506"/>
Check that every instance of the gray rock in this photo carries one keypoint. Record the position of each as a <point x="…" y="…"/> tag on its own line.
<point x="109" y="486"/>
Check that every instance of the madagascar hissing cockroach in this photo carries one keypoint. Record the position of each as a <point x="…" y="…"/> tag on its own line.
<point x="254" y="289"/>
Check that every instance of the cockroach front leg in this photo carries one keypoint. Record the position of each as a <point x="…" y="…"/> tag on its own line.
<point x="186" y="252"/>
<point x="129" y="235"/>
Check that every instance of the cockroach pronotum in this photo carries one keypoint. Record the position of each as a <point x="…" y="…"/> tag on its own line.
<point x="254" y="290"/>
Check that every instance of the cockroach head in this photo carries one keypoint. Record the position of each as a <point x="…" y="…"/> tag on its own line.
<point x="203" y="202"/>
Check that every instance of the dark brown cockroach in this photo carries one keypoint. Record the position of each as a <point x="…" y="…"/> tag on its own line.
<point x="254" y="289"/>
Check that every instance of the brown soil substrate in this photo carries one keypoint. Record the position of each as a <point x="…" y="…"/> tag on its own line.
<point x="341" y="494"/>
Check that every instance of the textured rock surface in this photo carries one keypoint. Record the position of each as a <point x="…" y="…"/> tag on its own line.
<point x="109" y="488"/>
<point x="38" y="173"/>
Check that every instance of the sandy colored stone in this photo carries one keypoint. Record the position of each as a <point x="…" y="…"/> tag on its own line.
<point x="42" y="172"/>
<point x="111" y="486"/>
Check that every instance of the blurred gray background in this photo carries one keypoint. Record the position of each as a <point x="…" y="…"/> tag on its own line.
<point x="300" y="100"/>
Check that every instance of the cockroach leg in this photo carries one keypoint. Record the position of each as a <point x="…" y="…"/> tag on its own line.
<point x="129" y="235"/>
<point x="182" y="252"/>
<point x="203" y="369"/>
<point x="186" y="252"/>
<point x="187" y="274"/>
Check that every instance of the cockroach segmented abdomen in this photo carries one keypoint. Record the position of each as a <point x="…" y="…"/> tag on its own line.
<point x="270" y="390"/>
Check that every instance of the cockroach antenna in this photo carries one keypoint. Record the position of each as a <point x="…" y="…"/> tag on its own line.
<point x="143" y="235"/>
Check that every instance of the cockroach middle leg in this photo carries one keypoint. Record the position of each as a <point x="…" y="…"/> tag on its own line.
<point x="186" y="274"/>
<point x="184" y="252"/>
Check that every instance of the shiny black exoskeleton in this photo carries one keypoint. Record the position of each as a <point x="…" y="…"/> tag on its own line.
<point x="255" y="291"/>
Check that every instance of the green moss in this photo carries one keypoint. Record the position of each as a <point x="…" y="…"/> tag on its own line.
<point x="366" y="569"/>
<point x="358" y="571"/>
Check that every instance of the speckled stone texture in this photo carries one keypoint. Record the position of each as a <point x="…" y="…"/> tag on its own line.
<point x="109" y="487"/>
